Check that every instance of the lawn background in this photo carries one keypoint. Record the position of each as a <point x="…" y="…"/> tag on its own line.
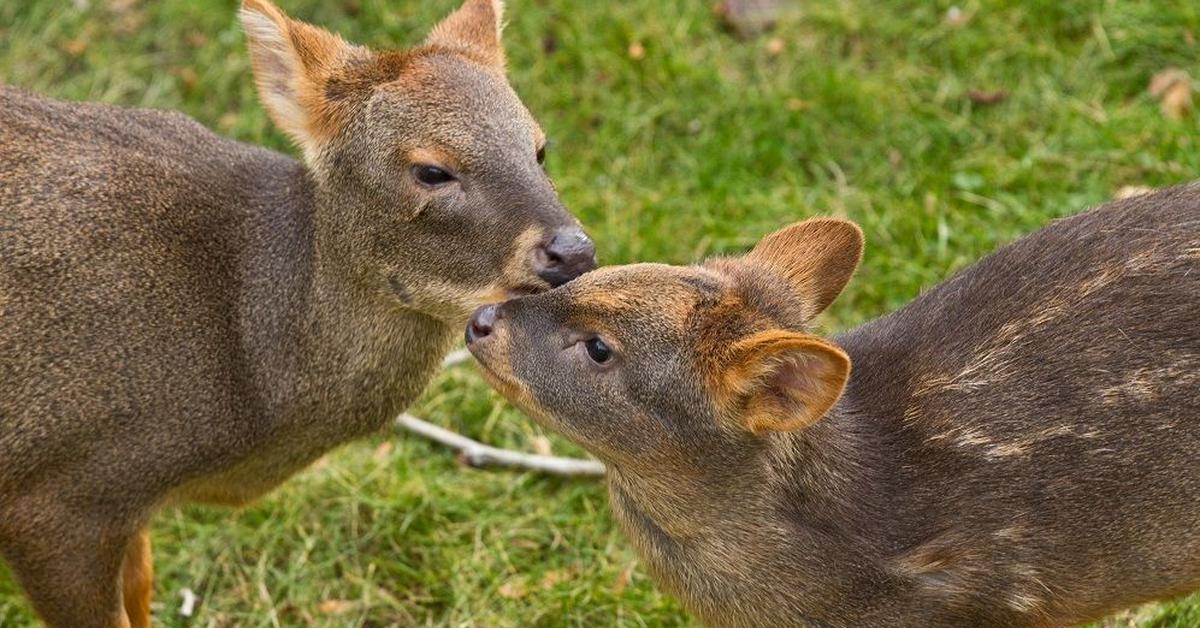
<point x="671" y="140"/>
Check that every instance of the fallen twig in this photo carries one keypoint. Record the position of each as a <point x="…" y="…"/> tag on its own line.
<point x="458" y="356"/>
<point x="476" y="454"/>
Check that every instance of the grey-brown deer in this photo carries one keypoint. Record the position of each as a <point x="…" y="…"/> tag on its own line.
<point x="1016" y="447"/>
<point x="186" y="318"/>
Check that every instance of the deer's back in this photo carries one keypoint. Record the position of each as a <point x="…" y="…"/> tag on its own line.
<point x="1043" y="413"/>
<point x="119" y="273"/>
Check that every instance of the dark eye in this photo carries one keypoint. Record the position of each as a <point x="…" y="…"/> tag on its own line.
<point x="541" y="155"/>
<point x="431" y="175"/>
<point x="597" y="350"/>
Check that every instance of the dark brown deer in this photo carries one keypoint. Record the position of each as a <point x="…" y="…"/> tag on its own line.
<point x="1020" y="446"/>
<point x="186" y="318"/>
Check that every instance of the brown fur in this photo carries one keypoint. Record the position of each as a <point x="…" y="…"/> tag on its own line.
<point x="474" y="31"/>
<point x="186" y="318"/>
<point x="833" y="250"/>
<point x="1016" y="447"/>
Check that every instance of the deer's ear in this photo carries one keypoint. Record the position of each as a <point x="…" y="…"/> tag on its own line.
<point x="781" y="381"/>
<point x="291" y="62"/>
<point x="475" y="29"/>
<point x="817" y="257"/>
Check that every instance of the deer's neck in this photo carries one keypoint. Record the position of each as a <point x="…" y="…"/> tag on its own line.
<point x="323" y="345"/>
<point x="774" y="525"/>
<point x="817" y="473"/>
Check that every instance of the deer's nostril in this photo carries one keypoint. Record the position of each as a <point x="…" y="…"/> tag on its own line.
<point x="567" y="255"/>
<point x="482" y="322"/>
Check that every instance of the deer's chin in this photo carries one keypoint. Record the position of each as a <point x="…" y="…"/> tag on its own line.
<point x="504" y="384"/>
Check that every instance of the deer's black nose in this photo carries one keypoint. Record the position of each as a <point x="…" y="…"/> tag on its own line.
<point x="482" y="322"/>
<point x="567" y="255"/>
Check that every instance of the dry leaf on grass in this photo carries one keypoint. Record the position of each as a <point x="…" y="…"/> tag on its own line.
<point x="955" y="16"/>
<point x="75" y="47"/>
<point x="334" y="607"/>
<point x="987" y="97"/>
<point x="748" y="18"/>
<point x="528" y="544"/>
<point x="623" y="579"/>
<point x="129" y="18"/>
<point x="555" y="576"/>
<point x="797" y="104"/>
<point x="384" y="451"/>
<point x="227" y="121"/>
<point x="514" y="589"/>
<point x="1173" y="88"/>
<point x="540" y="445"/>
<point x="78" y="44"/>
<point x="196" y="39"/>
<point x="187" y="77"/>
<point x="637" y="51"/>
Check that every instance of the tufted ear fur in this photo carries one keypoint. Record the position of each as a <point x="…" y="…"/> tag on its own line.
<point x="473" y="29"/>
<point x="781" y="381"/>
<point x="817" y="257"/>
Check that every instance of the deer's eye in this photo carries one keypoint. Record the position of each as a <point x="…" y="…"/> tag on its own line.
<point x="541" y="155"/>
<point x="597" y="350"/>
<point x="431" y="175"/>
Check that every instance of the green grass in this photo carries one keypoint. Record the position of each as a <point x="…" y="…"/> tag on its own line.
<point x="698" y="148"/>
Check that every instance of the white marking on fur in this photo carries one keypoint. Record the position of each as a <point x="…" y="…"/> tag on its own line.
<point x="1022" y="602"/>
<point x="1011" y="533"/>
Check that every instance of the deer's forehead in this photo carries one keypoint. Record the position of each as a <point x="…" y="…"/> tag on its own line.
<point x="666" y="295"/>
<point x="454" y="94"/>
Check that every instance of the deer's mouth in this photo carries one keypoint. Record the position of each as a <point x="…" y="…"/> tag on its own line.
<point x="491" y="360"/>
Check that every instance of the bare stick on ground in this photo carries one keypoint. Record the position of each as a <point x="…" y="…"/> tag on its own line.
<point x="476" y="454"/>
<point x="458" y="356"/>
